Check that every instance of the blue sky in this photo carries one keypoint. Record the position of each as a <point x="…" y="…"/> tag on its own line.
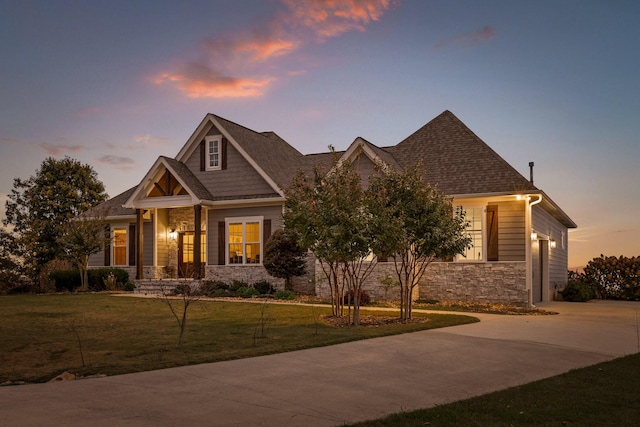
<point x="116" y="84"/>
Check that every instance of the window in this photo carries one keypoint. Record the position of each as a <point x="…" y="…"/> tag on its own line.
<point x="188" y="247"/>
<point x="214" y="148"/>
<point x="244" y="240"/>
<point x="119" y="246"/>
<point x="473" y="217"/>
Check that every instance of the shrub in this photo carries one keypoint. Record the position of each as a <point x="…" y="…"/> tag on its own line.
<point x="129" y="286"/>
<point x="97" y="275"/>
<point x="614" y="277"/>
<point x="214" y="288"/>
<point x="237" y="284"/>
<point x="577" y="292"/>
<point x="263" y="287"/>
<point x="65" y="280"/>
<point x="246" y="292"/>
<point x="364" y="297"/>
<point x="285" y="295"/>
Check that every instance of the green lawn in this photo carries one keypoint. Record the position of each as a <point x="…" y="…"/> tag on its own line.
<point x="607" y="394"/>
<point x="44" y="335"/>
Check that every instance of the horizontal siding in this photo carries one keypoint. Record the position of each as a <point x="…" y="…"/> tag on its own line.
<point x="544" y="223"/>
<point x="511" y="230"/>
<point x="273" y="213"/>
<point x="148" y="243"/>
<point x="238" y="179"/>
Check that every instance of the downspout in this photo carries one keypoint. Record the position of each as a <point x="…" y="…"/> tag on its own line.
<point x="527" y="247"/>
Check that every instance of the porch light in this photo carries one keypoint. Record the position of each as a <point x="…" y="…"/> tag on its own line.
<point x="534" y="236"/>
<point x="173" y="235"/>
<point x="552" y="244"/>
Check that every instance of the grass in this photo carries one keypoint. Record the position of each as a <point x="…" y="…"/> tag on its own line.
<point x="87" y="334"/>
<point x="607" y="394"/>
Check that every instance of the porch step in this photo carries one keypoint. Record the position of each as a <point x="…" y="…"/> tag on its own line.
<point x="158" y="287"/>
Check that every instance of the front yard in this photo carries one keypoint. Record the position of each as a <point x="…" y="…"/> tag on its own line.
<point x="87" y="334"/>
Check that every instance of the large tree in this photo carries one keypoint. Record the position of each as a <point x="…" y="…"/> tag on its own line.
<point x="39" y="207"/>
<point x="422" y="227"/>
<point x="12" y="277"/>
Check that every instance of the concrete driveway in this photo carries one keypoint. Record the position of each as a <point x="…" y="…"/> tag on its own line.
<point x="342" y="383"/>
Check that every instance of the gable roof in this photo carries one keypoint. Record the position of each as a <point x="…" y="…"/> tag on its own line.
<point x="271" y="156"/>
<point x="457" y="160"/>
<point x="196" y="191"/>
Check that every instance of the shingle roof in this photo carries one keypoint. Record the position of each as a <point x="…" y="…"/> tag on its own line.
<point x="190" y="180"/>
<point x="113" y="206"/>
<point x="273" y="154"/>
<point x="457" y="160"/>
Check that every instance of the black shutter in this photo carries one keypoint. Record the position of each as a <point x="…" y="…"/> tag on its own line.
<point x="224" y="153"/>
<point x="492" y="233"/>
<point x="203" y="154"/>
<point x="221" y="244"/>
<point x="266" y="231"/>
<point x="132" y="244"/>
<point x="107" y="246"/>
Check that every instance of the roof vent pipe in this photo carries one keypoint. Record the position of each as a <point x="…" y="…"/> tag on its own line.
<point x="531" y="172"/>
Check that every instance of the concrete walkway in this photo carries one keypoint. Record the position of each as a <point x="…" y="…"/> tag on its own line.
<point x="342" y="383"/>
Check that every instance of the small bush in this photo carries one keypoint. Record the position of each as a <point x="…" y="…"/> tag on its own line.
<point x="364" y="298"/>
<point x="285" y="295"/>
<point x="237" y="284"/>
<point x="129" y="286"/>
<point x="577" y="292"/>
<point x="96" y="276"/>
<point x="214" y="288"/>
<point x="246" y="292"/>
<point x="263" y="287"/>
<point x="65" y="280"/>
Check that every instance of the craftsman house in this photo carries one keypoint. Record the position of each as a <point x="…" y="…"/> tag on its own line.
<point x="208" y="212"/>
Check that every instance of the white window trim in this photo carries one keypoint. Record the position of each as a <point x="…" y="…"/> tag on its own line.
<point x="208" y="140"/>
<point x="243" y="220"/>
<point x="483" y="224"/>
<point x="113" y="246"/>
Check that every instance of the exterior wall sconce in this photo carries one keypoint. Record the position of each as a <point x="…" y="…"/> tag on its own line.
<point x="552" y="244"/>
<point x="534" y="236"/>
<point x="173" y="235"/>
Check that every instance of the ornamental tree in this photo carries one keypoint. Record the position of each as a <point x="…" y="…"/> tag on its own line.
<point x="421" y="227"/>
<point x="284" y="257"/>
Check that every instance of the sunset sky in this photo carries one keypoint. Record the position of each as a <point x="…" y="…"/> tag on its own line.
<point x="117" y="83"/>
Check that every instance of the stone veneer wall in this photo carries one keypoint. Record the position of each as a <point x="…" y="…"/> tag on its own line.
<point x="494" y="282"/>
<point x="491" y="282"/>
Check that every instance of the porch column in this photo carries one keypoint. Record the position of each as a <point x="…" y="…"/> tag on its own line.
<point x="197" y="240"/>
<point x="139" y="244"/>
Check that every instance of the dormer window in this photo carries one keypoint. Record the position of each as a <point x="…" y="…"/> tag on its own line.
<point x="213" y="152"/>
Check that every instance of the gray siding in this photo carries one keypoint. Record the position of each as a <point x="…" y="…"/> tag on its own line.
<point x="511" y="231"/>
<point x="238" y="179"/>
<point x="558" y="257"/>
<point x="273" y="213"/>
<point x="365" y="168"/>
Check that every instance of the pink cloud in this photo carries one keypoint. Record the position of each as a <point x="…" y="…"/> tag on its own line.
<point x="330" y="18"/>
<point x="200" y="81"/>
<point x="233" y="67"/>
<point x="484" y="34"/>
<point x="58" y="150"/>
<point x="120" y="163"/>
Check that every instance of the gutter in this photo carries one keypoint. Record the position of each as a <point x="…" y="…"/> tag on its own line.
<point x="527" y="248"/>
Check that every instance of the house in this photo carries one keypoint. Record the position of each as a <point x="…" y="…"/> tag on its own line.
<point x="208" y="212"/>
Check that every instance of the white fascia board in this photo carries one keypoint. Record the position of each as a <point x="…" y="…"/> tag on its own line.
<point x="166" y="202"/>
<point x="195" y="137"/>
<point x="140" y="187"/>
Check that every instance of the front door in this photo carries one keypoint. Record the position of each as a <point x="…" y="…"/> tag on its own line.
<point x="186" y="253"/>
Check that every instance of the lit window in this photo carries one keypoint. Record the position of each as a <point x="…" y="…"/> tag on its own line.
<point x="119" y="246"/>
<point x="473" y="217"/>
<point x="244" y="240"/>
<point x="213" y="152"/>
